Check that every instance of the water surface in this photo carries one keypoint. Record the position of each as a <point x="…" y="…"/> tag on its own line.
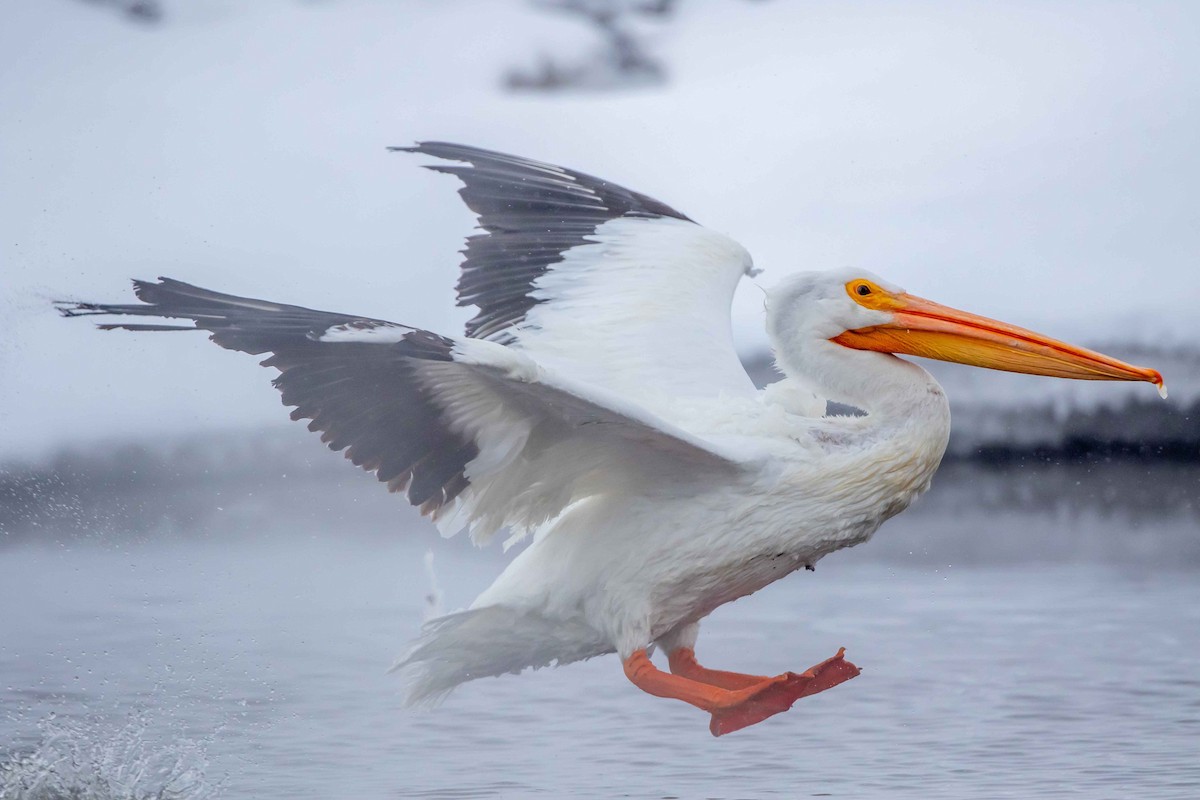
<point x="1009" y="649"/>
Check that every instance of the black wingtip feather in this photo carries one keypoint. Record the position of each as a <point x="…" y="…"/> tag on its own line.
<point x="534" y="213"/>
<point x="362" y="397"/>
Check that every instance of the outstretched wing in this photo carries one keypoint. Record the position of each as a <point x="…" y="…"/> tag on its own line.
<point x="473" y="432"/>
<point x="602" y="283"/>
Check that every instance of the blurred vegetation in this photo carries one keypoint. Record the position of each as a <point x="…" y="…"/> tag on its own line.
<point x="142" y="12"/>
<point x="623" y="57"/>
<point x="1141" y="430"/>
<point x="622" y="60"/>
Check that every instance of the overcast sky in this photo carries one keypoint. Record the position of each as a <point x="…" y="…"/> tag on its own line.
<point x="1034" y="162"/>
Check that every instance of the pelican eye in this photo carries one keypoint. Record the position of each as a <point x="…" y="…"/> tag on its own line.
<point x="862" y="290"/>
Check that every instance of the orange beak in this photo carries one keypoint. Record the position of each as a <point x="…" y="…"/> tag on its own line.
<point x="923" y="328"/>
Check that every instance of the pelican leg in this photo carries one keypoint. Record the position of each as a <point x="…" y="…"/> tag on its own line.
<point x="683" y="662"/>
<point x="734" y="709"/>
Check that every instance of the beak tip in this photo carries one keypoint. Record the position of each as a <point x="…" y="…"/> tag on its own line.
<point x="1156" y="378"/>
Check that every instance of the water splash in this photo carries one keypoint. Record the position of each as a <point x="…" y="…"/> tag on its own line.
<point x="92" y="760"/>
<point x="433" y="600"/>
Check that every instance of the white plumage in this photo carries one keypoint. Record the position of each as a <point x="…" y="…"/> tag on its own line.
<point x="640" y="533"/>
<point x="597" y="406"/>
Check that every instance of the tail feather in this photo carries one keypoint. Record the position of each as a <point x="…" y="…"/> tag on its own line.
<point x="487" y="642"/>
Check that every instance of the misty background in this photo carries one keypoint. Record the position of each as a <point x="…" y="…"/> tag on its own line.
<point x="1032" y="162"/>
<point x="197" y="599"/>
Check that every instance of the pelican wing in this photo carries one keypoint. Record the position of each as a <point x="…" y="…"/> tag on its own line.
<point x="601" y="283"/>
<point x="474" y="433"/>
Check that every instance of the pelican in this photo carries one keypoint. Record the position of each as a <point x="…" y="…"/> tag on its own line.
<point x="596" y="407"/>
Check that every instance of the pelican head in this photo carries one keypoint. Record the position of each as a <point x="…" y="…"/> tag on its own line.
<point x="855" y="310"/>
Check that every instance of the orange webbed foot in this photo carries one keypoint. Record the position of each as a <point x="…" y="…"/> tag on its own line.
<point x="752" y="705"/>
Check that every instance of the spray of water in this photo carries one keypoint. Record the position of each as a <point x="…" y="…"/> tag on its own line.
<point x="95" y="760"/>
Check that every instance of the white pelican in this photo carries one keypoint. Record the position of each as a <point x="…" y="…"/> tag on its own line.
<point x="596" y="404"/>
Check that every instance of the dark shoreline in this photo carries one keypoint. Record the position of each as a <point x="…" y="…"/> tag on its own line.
<point x="237" y="481"/>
